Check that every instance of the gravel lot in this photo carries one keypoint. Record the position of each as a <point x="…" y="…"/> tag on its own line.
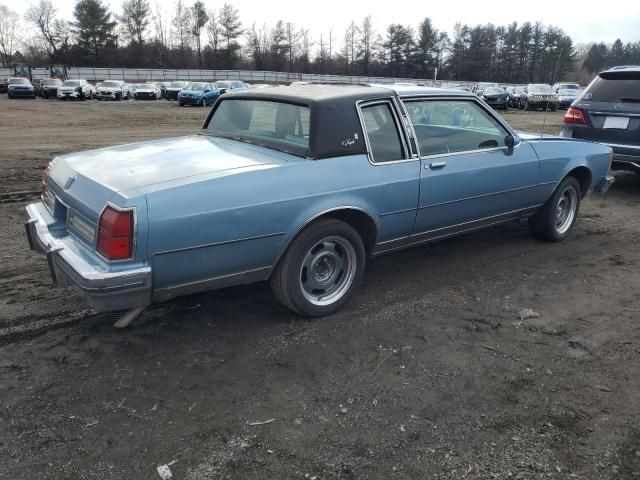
<point x="430" y="372"/>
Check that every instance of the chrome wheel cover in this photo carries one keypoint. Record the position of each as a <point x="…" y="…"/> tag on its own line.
<point x="328" y="270"/>
<point x="565" y="209"/>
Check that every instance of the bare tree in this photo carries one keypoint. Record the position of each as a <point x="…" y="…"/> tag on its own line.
<point x="160" y="25"/>
<point x="135" y="19"/>
<point x="293" y="37"/>
<point x="365" y="44"/>
<point x="199" y="19"/>
<point x="180" y="23"/>
<point x="8" y="34"/>
<point x="53" y="32"/>
<point x="214" y="35"/>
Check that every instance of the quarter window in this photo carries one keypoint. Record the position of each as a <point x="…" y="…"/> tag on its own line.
<point x="449" y="126"/>
<point x="382" y="131"/>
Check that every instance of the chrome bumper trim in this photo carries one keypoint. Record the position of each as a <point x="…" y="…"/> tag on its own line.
<point x="104" y="290"/>
<point x="604" y="185"/>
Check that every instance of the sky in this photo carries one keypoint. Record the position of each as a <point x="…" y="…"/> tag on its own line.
<point x="585" y="21"/>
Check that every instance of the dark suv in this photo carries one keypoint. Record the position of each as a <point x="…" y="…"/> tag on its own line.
<point x="608" y="112"/>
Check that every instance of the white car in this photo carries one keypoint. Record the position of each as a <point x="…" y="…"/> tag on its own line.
<point x="147" y="91"/>
<point x="75" y="89"/>
<point x="113" y="90"/>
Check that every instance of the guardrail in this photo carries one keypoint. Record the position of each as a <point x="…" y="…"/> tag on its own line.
<point x="253" y="76"/>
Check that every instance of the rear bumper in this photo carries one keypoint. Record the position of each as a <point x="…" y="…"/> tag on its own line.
<point x="105" y="290"/>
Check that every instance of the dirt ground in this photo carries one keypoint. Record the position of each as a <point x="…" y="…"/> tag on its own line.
<point x="430" y="371"/>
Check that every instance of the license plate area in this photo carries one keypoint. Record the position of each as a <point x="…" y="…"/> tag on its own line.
<point x="619" y="123"/>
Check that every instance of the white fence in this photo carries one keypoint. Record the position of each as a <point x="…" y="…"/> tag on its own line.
<point x="253" y="76"/>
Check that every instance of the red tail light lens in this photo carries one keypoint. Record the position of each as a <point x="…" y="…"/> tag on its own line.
<point x="574" y="115"/>
<point x="115" y="234"/>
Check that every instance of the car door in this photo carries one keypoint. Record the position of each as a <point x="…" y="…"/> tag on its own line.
<point x="470" y="177"/>
<point x="393" y="173"/>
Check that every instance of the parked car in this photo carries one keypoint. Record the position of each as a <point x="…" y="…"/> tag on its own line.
<point x="539" y="95"/>
<point x="174" y="88"/>
<point x="147" y="91"/>
<point x="224" y="85"/>
<point x="4" y="85"/>
<point x="50" y="87"/>
<point x="298" y="186"/>
<point x="567" y="96"/>
<point x="608" y="111"/>
<point x="565" y="86"/>
<point x="75" y="89"/>
<point x="516" y="96"/>
<point x="496" y="97"/>
<point x="198" y="93"/>
<point x="163" y="88"/>
<point x="113" y="90"/>
<point x="478" y="88"/>
<point x="20" y="88"/>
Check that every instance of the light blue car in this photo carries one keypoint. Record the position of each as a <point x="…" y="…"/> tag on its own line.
<point x="298" y="186"/>
<point x="198" y="93"/>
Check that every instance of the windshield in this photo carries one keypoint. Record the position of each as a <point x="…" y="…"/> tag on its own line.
<point x="569" y="86"/>
<point x="568" y="92"/>
<point x="71" y="83"/>
<point x="196" y="87"/>
<point x="613" y="89"/>
<point x="178" y="84"/>
<point x="493" y="91"/>
<point x="110" y="84"/>
<point x="222" y="84"/>
<point x="279" y="125"/>
<point x="18" y="81"/>
<point x="540" y="88"/>
<point x="51" y="83"/>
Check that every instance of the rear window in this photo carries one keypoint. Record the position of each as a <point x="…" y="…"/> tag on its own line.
<point x="613" y="90"/>
<point x="280" y="125"/>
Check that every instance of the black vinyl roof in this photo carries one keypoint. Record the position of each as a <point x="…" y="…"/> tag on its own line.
<point x="334" y="127"/>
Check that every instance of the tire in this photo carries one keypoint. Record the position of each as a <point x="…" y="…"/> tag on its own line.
<point x="336" y="250"/>
<point x="526" y="106"/>
<point x="554" y="108"/>
<point x="119" y="96"/>
<point x="555" y="220"/>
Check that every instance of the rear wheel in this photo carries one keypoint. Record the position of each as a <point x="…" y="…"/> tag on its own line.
<point x="556" y="219"/>
<point x="320" y="269"/>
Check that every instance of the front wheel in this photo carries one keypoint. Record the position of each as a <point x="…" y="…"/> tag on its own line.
<point x="556" y="219"/>
<point x="320" y="269"/>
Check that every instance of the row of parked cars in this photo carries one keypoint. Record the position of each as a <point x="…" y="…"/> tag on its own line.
<point x="533" y="96"/>
<point x="186" y="93"/>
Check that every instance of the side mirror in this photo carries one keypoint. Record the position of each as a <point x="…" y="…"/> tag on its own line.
<point x="509" y="141"/>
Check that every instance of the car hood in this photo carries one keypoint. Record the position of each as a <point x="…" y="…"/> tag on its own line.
<point x="192" y="92"/>
<point x="108" y="89"/>
<point x="157" y="162"/>
<point x="146" y="90"/>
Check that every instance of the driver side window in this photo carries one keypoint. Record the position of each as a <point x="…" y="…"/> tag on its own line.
<point x="450" y="126"/>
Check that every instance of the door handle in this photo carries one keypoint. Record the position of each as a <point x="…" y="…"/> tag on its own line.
<point x="436" y="165"/>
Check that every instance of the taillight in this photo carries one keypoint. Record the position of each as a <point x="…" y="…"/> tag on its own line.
<point x="115" y="234"/>
<point x="45" y="177"/>
<point x="574" y="115"/>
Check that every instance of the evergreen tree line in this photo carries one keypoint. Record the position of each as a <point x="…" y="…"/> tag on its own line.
<point x="195" y="36"/>
<point x="601" y="56"/>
